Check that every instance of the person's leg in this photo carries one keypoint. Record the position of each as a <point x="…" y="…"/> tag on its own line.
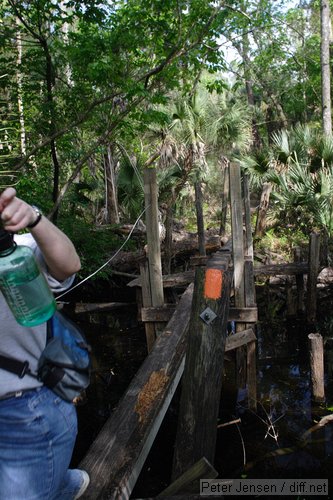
<point x="75" y="484"/>
<point x="37" y="436"/>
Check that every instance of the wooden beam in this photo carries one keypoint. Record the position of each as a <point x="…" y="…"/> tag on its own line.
<point x="170" y="280"/>
<point x="311" y="296"/>
<point x="200" y="399"/>
<point x="153" y="237"/>
<point x="158" y="314"/>
<point x="183" y="279"/>
<point x="189" y="481"/>
<point x="239" y="339"/>
<point x="243" y="314"/>
<point x="237" y="232"/>
<point x="81" y="307"/>
<point x="146" y="302"/>
<point x="248" y="250"/>
<point x="115" y="459"/>
<point x="276" y="269"/>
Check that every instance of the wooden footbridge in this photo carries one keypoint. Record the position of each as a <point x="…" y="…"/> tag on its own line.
<point x="186" y="342"/>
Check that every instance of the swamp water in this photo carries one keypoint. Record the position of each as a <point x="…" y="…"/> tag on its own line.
<point x="271" y="443"/>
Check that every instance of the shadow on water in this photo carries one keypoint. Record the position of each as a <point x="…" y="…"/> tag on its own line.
<point x="270" y="443"/>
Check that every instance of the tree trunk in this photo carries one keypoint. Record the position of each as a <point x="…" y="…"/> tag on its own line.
<point x="19" y="89"/>
<point x="256" y="141"/>
<point x="325" y="18"/>
<point x="262" y="209"/>
<point x="50" y="80"/>
<point x="200" y="220"/>
<point x="111" y="201"/>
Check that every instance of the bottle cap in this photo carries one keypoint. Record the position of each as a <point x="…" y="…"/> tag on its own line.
<point x="6" y="240"/>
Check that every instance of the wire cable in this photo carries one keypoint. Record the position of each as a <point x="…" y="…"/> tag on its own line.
<point x="108" y="261"/>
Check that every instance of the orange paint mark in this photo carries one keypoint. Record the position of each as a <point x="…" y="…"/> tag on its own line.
<point x="213" y="284"/>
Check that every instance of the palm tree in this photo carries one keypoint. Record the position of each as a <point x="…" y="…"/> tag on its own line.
<point x="292" y="167"/>
<point x="204" y="127"/>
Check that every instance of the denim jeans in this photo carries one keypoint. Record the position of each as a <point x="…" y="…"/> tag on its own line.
<point x="37" y="436"/>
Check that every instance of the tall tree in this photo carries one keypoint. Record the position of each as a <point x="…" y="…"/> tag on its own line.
<point x="325" y="18"/>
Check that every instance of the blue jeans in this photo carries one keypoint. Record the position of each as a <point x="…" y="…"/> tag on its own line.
<point x="37" y="436"/>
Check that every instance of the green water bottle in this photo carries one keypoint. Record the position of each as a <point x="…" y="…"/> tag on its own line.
<point x="22" y="283"/>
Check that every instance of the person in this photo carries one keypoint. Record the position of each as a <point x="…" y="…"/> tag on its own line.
<point x="37" y="428"/>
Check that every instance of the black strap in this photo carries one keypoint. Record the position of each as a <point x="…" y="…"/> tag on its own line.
<point x="52" y="376"/>
<point x="20" y="368"/>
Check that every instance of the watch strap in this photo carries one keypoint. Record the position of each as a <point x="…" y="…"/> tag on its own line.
<point x="38" y="218"/>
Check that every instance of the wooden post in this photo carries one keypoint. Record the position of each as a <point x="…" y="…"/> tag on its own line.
<point x="200" y="219"/>
<point x="238" y="258"/>
<point x="317" y="367"/>
<point x="237" y="233"/>
<point x="203" y="373"/>
<point x="251" y="375"/>
<point x="225" y="196"/>
<point x="299" y="283"/>
<point x="147" y="302"/>
<point x="247" y="210"/>
<point x="153" y="239"/>
<point x="314" y="247"/>
<point x="250" y="299"/>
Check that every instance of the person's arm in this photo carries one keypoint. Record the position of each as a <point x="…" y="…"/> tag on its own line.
<point x="58" y="251"/>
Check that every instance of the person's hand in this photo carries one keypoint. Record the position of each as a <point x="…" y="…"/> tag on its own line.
<point x="15" y="213"/>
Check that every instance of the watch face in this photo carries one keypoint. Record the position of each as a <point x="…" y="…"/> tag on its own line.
<point x="36" y="209"/>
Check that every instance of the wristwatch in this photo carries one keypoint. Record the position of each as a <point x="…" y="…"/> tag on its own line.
<point x="38" y="217"/>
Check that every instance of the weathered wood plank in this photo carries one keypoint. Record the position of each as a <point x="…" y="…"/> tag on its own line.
<point x="183" y="279"/>
<point x="115" y="458"/>
<point x="239" y="339"/>
<point x="276" y="269"/>
<point x="248" y="250"/>
<point x="153" y="237"/>
<point x="311" y="296"/>
<point x="146" y="301"/>
<point x="243" y="314"/>
<point x="160" y="314"/>
<point x="202" y="469"/>
<point x="170" y="280"/>
<point x="199" y="404"/>
<point x="164" y="313"/>
<point x="82" y="307"/>
<point x="317" y="367"/>
<point x="237" y="232"/>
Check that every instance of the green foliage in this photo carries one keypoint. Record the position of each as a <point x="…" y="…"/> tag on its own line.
<point x="281" y="240"/>
<point x="130" y="191"/>
<point x="303" y="180"/>
<point x="146" y="77"/>
<point x="95" y="246"/>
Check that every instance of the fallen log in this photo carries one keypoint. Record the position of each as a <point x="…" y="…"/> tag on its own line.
<point x="80" y="307"/>
<point x="129" y="261"/>
<point x="170" y="280"/>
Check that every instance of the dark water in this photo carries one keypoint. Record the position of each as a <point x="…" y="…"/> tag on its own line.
<point x="267" y="443"/>
<point x="118" y="349"/>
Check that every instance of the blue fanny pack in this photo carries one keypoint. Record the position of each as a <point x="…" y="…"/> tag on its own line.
<point x="64" y="365"/>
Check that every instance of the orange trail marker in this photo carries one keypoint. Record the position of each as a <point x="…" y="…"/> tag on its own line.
<point x="213" y="284"/>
